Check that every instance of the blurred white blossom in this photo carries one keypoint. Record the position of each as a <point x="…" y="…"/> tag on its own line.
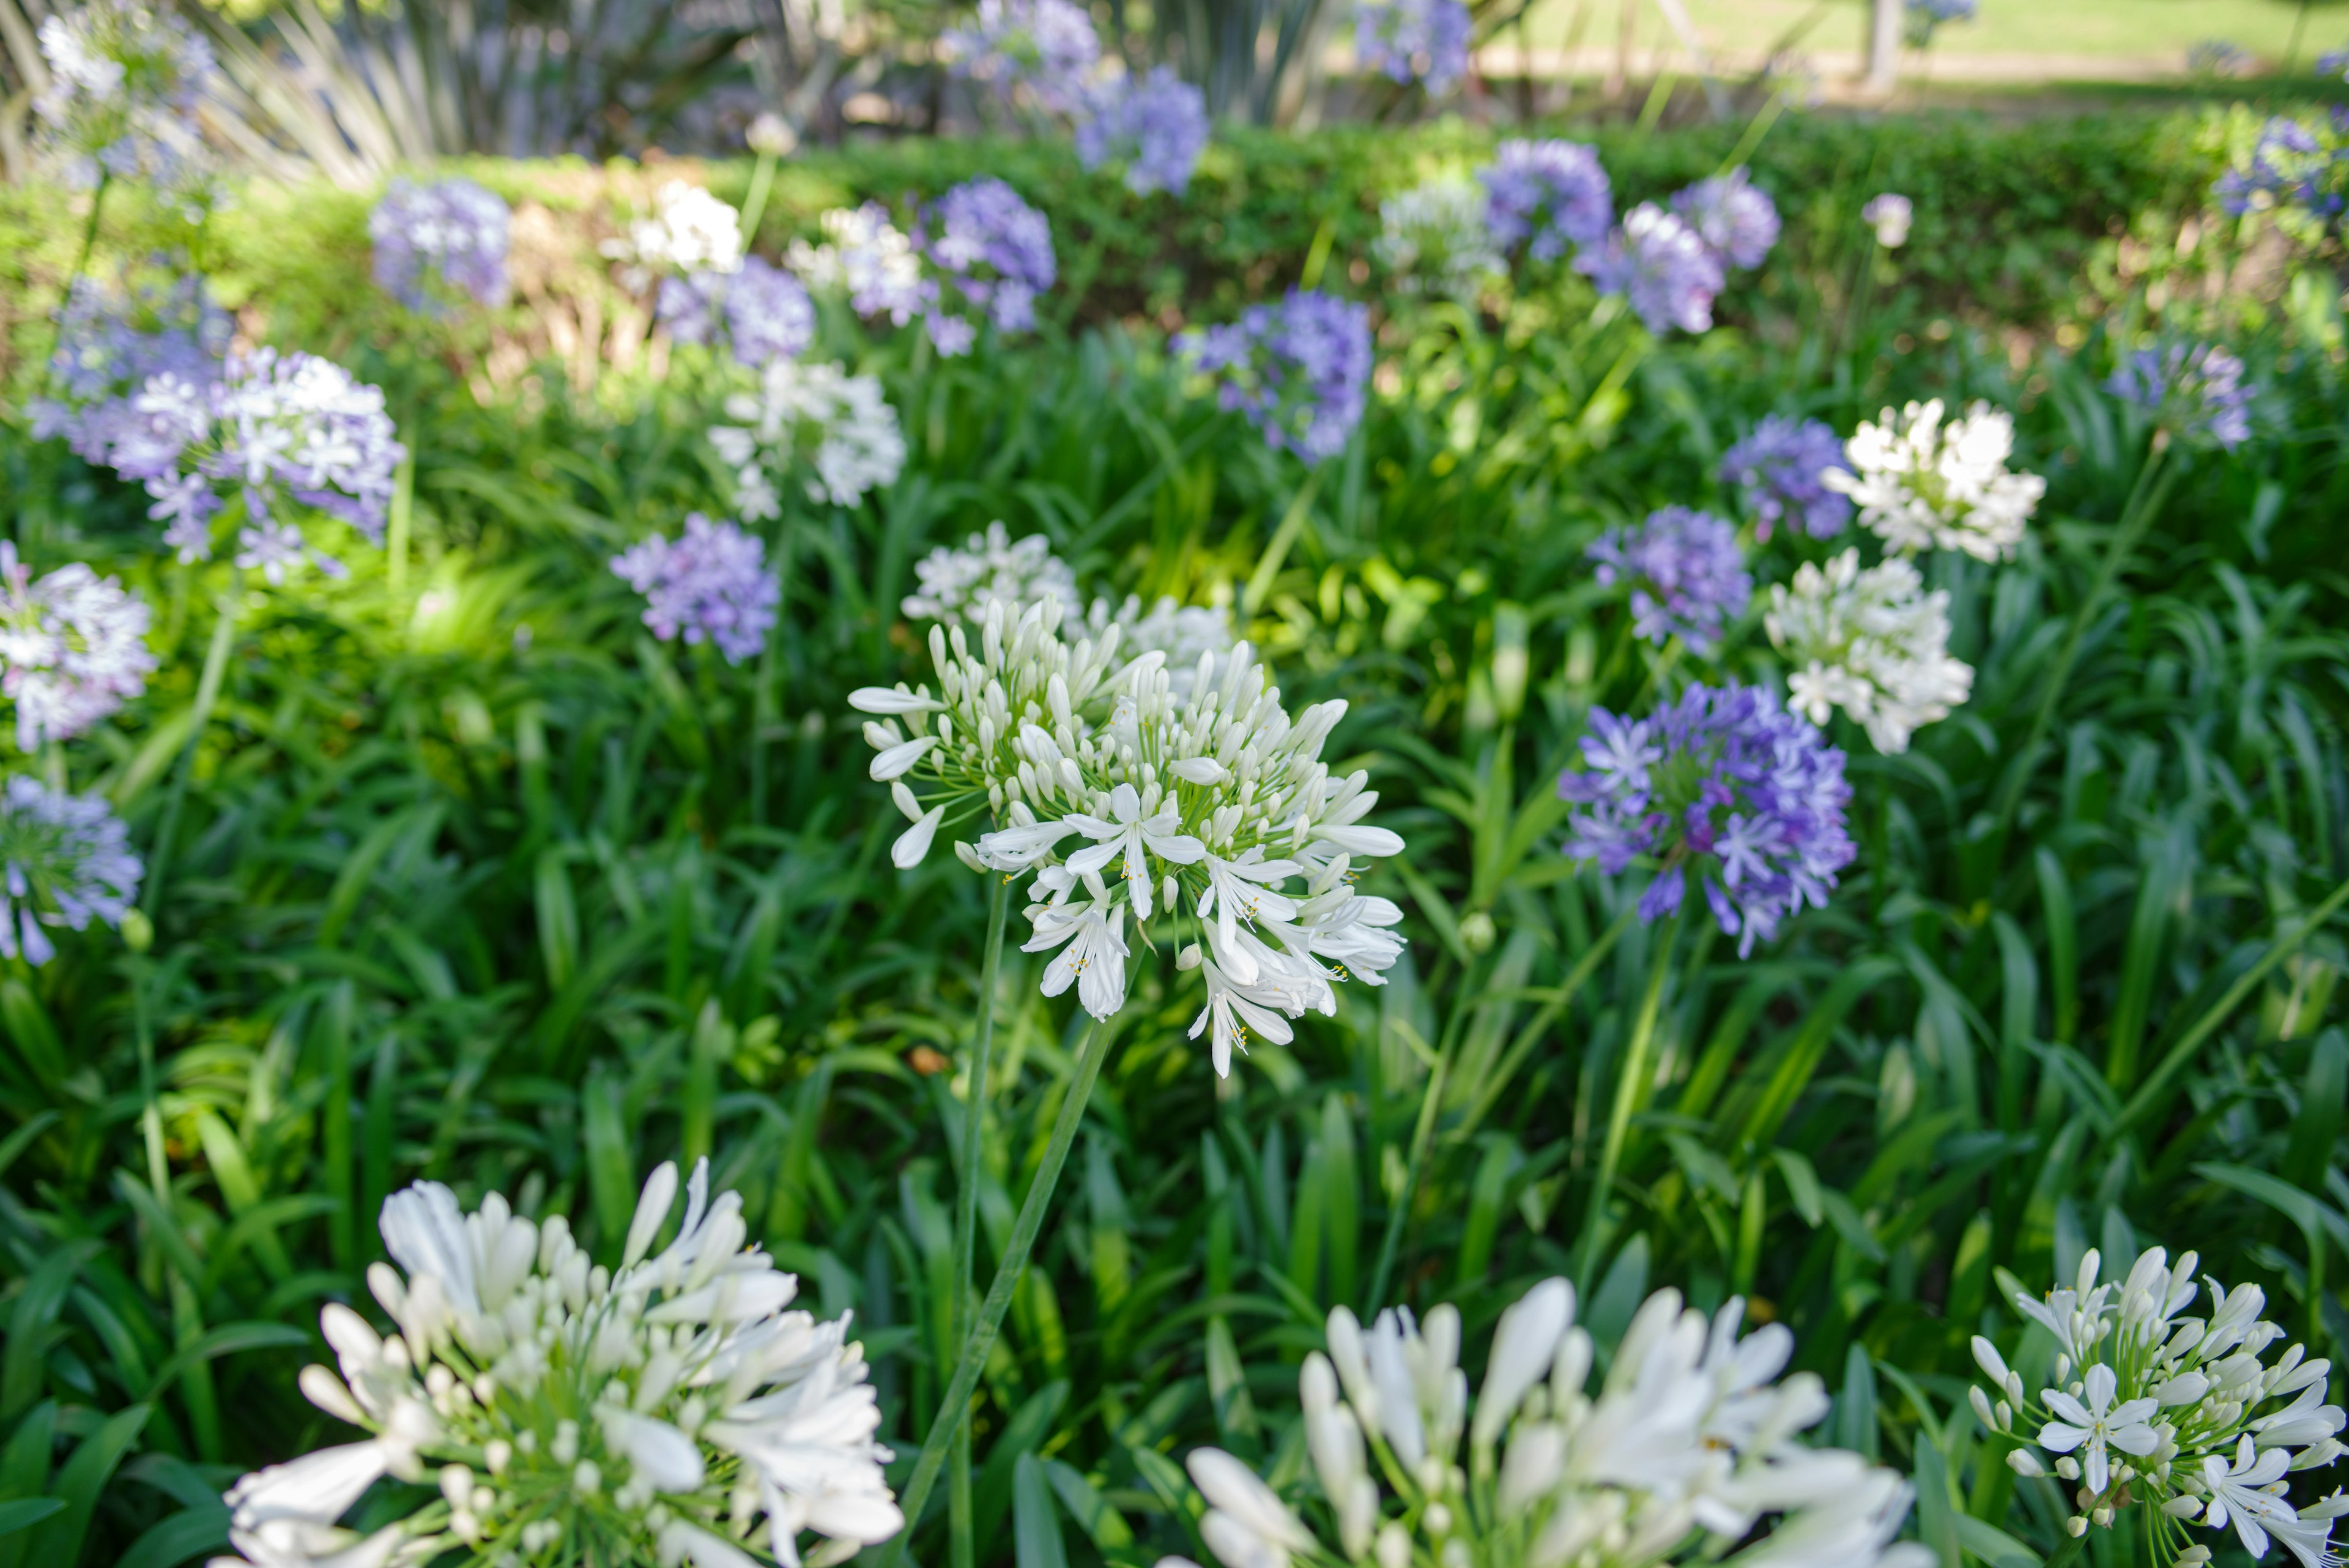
<point x="837" y="424"/>
<point x="1872" y="643"/>
<point x="1923" y="485"/>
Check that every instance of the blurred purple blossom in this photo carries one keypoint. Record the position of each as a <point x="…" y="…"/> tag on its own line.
<point x="1047" y="46"/>
<point x="1724" y="786"/>
<point x="992" y="250"/>
<point x="1663" y="266"/>
<point x="1552" y="194"/>
<point x="711" y="584"/>
<point x="2200" y="389"/>
<point x="1729" y="214"/>
<point x="1297" y="369"/>
<point x="1777" y="469"/>
<point x="63" y="860"/>
<point x="1156" y="127"/>
<point x="73" y="648"/>
<point x="448" y="236"/>
<point x="109" y="342"/>
<point x="758" y="314"/>
<point x="1425" y="41"/>
<point x="1686" y="576"/>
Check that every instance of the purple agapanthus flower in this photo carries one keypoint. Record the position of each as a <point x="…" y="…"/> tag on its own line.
<point x="1730" y="215"/>
<point x="1156" y="127"/>
<point x="2288" y="170"/>
<point x="1926" y="16"/>
<point x="1777" y="469"/>
<point x="64" y="860"/>
<point x="711" y="584"/>
<point x="447" y="237"/>
<point x="758" y="314"/>
<point x="1661" y="266"/>
<point x="993" y="251"/>
<point x="1299" y="368"/>
<point x="1546" y="196"/>
<point x="2200" y="389"/>
<point x="1045" y="50"/>
<point x="1425" y="41"/>
<point x="1725" y="787"/>
<point x="1686" y="576"/>
<point x="110" y="342"/>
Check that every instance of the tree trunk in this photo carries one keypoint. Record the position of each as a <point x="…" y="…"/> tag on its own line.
<point x="1884" y="46"/>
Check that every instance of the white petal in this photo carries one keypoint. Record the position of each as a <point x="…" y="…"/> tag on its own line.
<point x="913" y="843"/>
<point x="881" y="699"/>
<point x="316" y="1487"/>
<point x="652" y="1209"/>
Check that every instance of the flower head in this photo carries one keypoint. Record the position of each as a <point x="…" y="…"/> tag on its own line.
<point x="689" y="231"/>
<point x="2172" y="1413"/>
<point x="991" y="568"/>
<point x="446" y="237"/>
<point x="870" y="259"/>
<point x="1039" y="53"/>
<point x="1678" y="1451"/>
<point x="1889" y="214"/>
<point x="112" y="341"/>
<point x="1297" y="369"/>
<point x="1661" y="266"/>
<point x="1724" y="788"/>
<point x="1921" y="485"/>
<point x="1737" y="222"/>
<point x="2198" y="392"/>
<point x="1684" y="572"/>
<point x="838" y="425"/>
<point x="2293" y="174"/>
<point x="1435" y="236"/>
<point x="1156" y="126"/>
<point x="1548" y="196"/>
<point x="1777" y="470"/>
<point x="993" y="252"/>
<point x="758" y="312"/>
<point x="1873" y="643"/>
<point x="63" y="860"/>
<point x="73" y="648"/>
<point x="124" y="81"/>
<point x="710" y="585"/>
<point x="1423" y="41"/>
<point x="657" y="1410"/>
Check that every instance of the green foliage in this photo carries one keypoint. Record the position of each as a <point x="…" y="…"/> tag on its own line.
<point x="476" y="880"/>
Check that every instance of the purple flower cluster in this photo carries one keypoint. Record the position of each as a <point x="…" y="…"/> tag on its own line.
<point x="1924" y="16"/>
<point x="1046" y="48"/>
<point x="1686" y="576"/>
<point x="2288" y="170"/>
<point x="1725" y="787"/>
<point x="994" y="249"/>
<point x="1661" y="266"/>
<point x="63" y="860"/>
<point x="1299" y="368"/>
<point x="1156" y="127"/>
<point x="758" y="314"/>
<point x="1546" y="196"/>
<point x="1777" y="469"/>
<point x="2201" y="388"/>
<point x="1423" y="41"/>
<point x="73" y="648"/>
<point x="446" y="237"/>
<point x="108" y="346"/>
<point x="125" y="80"/>
<point x="711" y="585"/>
<point x="1736" y="221"/>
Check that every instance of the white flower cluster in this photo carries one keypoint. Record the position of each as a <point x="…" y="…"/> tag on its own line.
<point x="1182" y="632"/>
<point x="991" y="568"/>
<point x="1920" y="485"/>
<point x="839" y="424"/>
<point x="867" y="257"/>
<point x="1434" y="235"/>
<point x="690" y="231"/>
<point x="1872" y="642"/>
<point x="570" y="1413"/>
<point x="73" y="646"/>
<point x="2177" y="1414"/>
<point x="1205" y="808"/>
<point x="124" y="82"/>
<point x="1686" y="1446"/>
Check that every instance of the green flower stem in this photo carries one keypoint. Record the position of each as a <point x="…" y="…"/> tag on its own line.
<point x="1755" y="130"/>
<point x="1421" y="1136"/>
<point x="964" y="1550"/>
<point x="954" y="1407"/>
<point x="1552" y="1006"/>
<point x="1291" y="524"/>
<point x="80" y="266"/>
<point x="208" y="689"/>
<point x="754" y="205"/>
<point x="395" y="540"/>
<point x="1626" y="1090"/>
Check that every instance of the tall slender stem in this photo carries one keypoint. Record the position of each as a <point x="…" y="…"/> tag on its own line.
<point x="1627" y="1088"/>
<point x="960" y="1520"/>
<point x="981" y="1338"/>
<point x="208" y="689"/>
<point x="754" y="205"/>
<point x="1421" y="1136"/>
<point x="81" y="266"/>
<point x="1292" y="523"/>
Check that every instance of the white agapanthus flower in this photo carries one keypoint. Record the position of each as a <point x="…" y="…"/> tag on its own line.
<point x="689" y="231"/>
<point x="839" y="425"/>
<point x="671" y="1411"/>
<point x="1686" y="1446"/>
<point x="1213" y="813"/>
<point x="1923" y="485"/>
<point x="73" y="646"/>
<point x="958" y="583"/>
<point x="1435" y="236"/>
<point x="867" y="257"/>
<point x="1180" y="631"/>
<point x="2177" y="1415"/>
<point x="1872" y="643"/>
